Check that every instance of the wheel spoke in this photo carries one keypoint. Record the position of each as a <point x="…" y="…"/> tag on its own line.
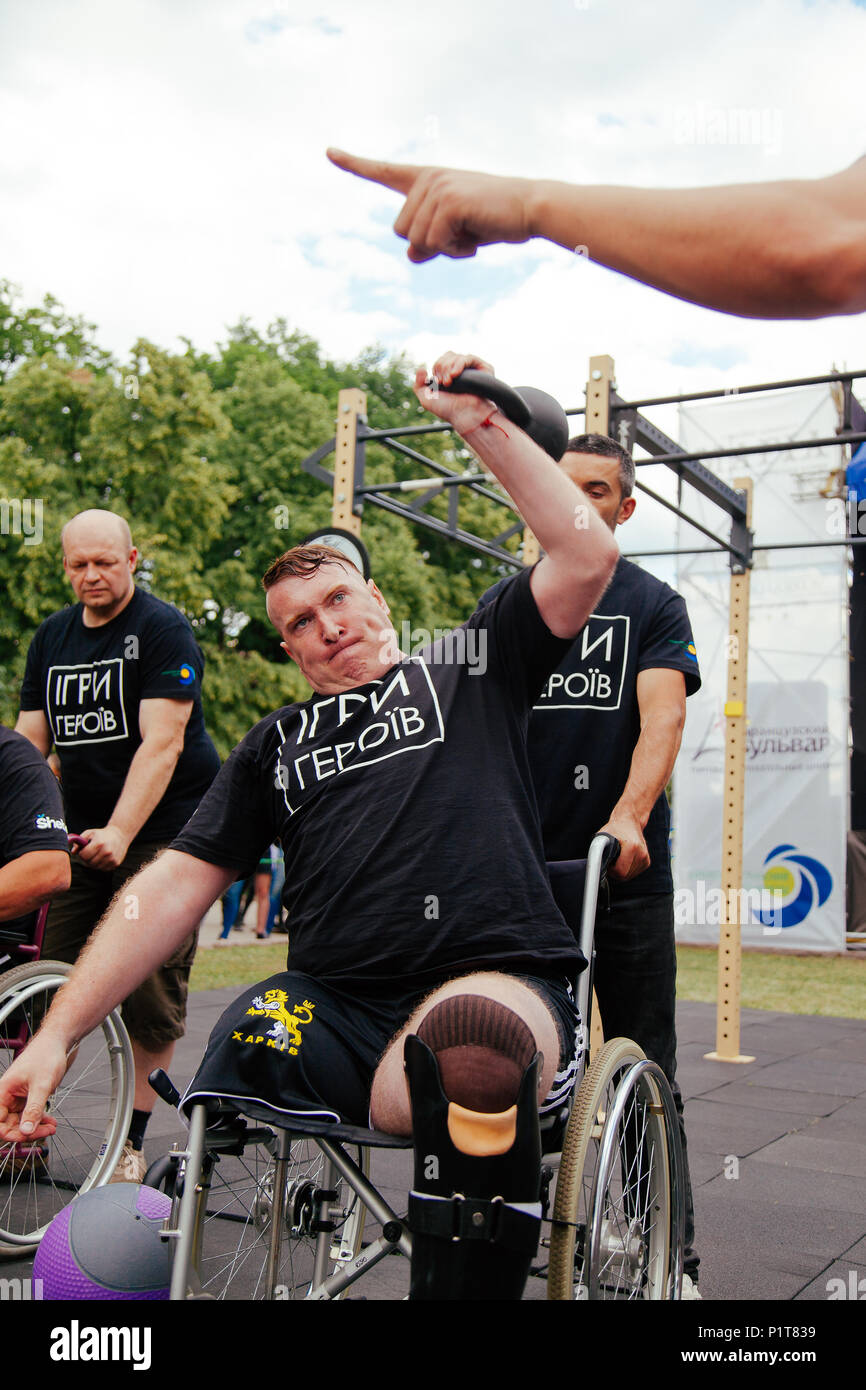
<point x="236" y="1228"/>
<point x="91" y="1107"/>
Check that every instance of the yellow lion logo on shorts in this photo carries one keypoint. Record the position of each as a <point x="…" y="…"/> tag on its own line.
<point x="285" y="1035"/>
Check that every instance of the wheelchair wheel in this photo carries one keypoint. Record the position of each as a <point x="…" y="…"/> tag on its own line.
<point x="92" y="1106"/>
<point x="617" y="1221"/>
<point x="270" y="1221"/>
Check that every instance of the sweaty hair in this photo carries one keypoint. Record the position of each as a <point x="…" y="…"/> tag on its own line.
<point x="608" y="448"/>
<point x="302" y="561"/>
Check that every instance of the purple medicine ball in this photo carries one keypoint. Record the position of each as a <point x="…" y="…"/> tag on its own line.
<point x="106" y="1244"/>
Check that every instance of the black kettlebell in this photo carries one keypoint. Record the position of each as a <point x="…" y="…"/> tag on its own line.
<point x="534" y="411"/>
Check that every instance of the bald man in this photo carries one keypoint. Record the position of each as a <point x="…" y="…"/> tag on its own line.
<point x="113" y="682"/>
<point x="791" y="249"/>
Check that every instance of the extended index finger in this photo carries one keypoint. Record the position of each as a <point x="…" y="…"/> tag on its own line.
<point x="400" y="177"/>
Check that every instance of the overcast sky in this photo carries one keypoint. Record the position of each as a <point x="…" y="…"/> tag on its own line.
<point x="163" y="167"/>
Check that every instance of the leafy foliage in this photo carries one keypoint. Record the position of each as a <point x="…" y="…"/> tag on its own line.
<point x="202" y="453"/>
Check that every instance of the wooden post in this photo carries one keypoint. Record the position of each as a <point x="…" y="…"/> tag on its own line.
<point x="531" y="548"/>
<point x="351" y="407"/>
<point x="598" y="389"/>
<point x="729" y="988"/>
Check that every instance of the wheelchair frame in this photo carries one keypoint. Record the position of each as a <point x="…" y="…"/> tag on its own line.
<point x="93" y="1103"/>
<point x="616" y="1227"/>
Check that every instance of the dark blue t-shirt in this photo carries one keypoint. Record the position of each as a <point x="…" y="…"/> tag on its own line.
<point x="586" y="722"/>
<point x="90" y="682"/>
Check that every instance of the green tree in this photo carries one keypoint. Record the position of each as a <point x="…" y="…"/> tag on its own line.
<point x="202" y="453"/>
<point x="46" y="328"/>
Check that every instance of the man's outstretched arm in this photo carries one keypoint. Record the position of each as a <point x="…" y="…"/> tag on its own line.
<point x="169" y="897"/>
<point x="785" y="250"/>
<point x="580" y="551"/>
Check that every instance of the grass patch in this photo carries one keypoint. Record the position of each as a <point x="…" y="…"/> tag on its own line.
<point x="222" y="966"/>
<point x="828" y="985"/>
<point x="834" y="986"/>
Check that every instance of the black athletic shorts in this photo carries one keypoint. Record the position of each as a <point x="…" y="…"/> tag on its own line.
<point x="292" y="1045"/>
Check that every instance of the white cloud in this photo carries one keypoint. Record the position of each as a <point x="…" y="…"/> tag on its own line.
<point x="167" y="173"/>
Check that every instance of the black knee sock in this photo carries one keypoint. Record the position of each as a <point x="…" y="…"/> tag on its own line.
<point x="137" y="1126"/>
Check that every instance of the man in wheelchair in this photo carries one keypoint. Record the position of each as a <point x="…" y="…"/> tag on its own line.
<point x="429" y="983"/>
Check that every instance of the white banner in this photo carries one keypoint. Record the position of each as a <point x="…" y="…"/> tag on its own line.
<point x="796" y="803"/>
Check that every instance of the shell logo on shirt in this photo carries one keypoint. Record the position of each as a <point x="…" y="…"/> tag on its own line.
<point x="285" y="1035"/>
<point x="808" y="883"/>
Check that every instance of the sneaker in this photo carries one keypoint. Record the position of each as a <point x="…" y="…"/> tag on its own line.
<point x="690" y="1289"/>
<point x="131" y="1166"/>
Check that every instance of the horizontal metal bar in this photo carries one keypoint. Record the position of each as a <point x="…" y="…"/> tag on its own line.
<point x="743" y="449"/>
<point x="660" y="445"/>
<point x="441" y="528"/>
<point x="400" y="430"/>
<point x="776" y="545"/>
<point x="705" y="530"/>
<point x="640" y="554"/>
<point x="812" y="545"/>
<point x="417" y="484"/>
<point x="445" y="472"/>
<point x="739" y="390"/>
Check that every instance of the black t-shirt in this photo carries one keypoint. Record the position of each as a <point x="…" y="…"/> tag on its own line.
<point x="406" y="813"/>
<point x="586" y="722"/>
<point x="31" y="808"/>
<point x="89" y="683"/>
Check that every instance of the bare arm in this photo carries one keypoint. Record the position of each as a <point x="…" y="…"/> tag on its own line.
<point x="33" y="724"/>
<point x="661" y="696"/>
<point x="795" y="248"/>
<point x="173" y="894"/>
<point x="162" y="724"/>
<point x="580" y="552"/>
<point x="30" y="880"/>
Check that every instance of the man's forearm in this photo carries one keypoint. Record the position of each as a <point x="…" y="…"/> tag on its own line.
<point x="29" y="881"/>
<point x="147" y="780"/>
<point x="651" y="766"/>
<point x="790" y="249"/>
<point x="774" y="250"/>
<point x="149" y="918"/>
<point x="576" y="542"/>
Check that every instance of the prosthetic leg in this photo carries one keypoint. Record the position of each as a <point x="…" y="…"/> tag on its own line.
<point x="474" y="1211"/>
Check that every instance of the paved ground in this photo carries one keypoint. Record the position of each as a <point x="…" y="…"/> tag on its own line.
<point x="776" y="1147"/>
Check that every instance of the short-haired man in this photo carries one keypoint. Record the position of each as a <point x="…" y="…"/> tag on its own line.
<point x="114" y="683"/>
<point x="603" y="738"/>
<point x="420" y="906"/>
